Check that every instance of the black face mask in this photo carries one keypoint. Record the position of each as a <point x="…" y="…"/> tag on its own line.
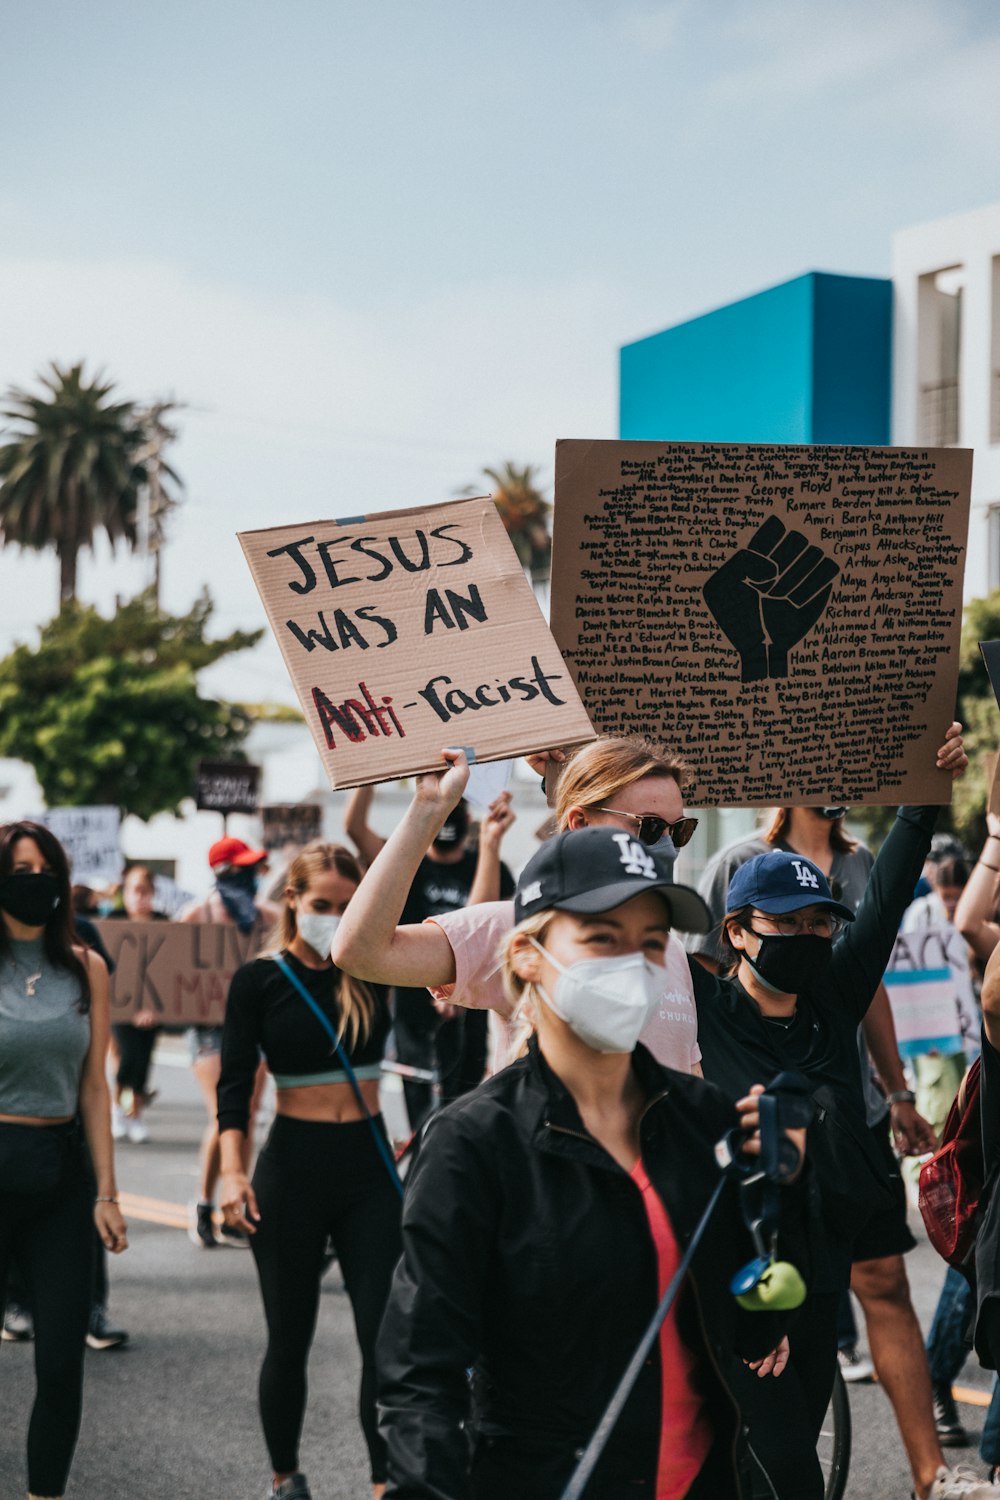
<point x="791" y="964"/>
<point x="28" y="898"/>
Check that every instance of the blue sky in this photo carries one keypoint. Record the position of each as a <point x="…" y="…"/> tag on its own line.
<point x="377" y="245"/>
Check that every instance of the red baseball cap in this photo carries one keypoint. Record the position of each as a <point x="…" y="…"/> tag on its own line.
<point x="231" y="851"/>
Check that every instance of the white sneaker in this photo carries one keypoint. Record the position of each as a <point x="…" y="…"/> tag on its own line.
<point x="855" y="1367"/>
<point x="119" y="1123"/>
<point x="960" y="1483"/>
<point x="138" y="1132"/>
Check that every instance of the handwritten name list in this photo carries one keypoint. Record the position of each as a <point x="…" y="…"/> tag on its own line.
<point x="786" y="617"/>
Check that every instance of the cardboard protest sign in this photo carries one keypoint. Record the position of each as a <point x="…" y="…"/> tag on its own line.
<point x="295" y="822"/>
<point x="990" y="652"/>
<point x="991" y="762"/>
<point x="787" y="616"/>
<point x="180" y="970"/>
<point x="90" y="837"/>
<point x="411" y="630"/>
<point x="930" y="991"/>
<point x="227" y="786"/>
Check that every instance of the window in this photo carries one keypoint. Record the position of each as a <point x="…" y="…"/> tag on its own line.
<point x="939" y="342"/>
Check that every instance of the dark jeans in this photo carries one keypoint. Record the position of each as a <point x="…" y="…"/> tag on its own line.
<point x="314" y="1182"/>
<point x="950" y="1338"/>
<point x="51" y="1235"/>
<point x="785" y="1415"/>
<point x="456" y="1049"/>
<point x="414" y="1022"/>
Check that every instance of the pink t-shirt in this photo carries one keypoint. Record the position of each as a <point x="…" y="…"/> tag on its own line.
<point x="685" y="1431"/>
<point x="476" y="935"/>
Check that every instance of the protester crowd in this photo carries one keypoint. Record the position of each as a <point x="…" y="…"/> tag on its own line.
<point x="574" y="1046"/>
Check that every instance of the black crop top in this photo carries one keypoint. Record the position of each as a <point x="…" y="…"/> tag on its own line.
<point x="264" y="1013"/>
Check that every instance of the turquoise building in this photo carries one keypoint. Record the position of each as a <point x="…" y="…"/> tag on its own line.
<point x="809" y="361"/>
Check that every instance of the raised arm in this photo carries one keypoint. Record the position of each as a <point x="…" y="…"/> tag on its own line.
<point x="975" y="914"/>
<point x="369" y="944"/>
<point x="499" y="818"/>
<point x="861" y="955"/>
<point x="362" y="835"/>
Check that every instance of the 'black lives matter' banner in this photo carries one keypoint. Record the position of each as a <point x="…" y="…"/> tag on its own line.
<point x="412" y="630"/>
<point x="787" y="617"/>
<point x="178" y="970"/>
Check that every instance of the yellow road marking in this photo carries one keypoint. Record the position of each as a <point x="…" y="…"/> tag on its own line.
<point x="970" y="1396"/>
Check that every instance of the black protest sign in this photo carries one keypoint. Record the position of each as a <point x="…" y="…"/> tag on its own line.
<point x="227" y="786"/>
<point x="291" y="822"/>
<point x="788" y="617"/>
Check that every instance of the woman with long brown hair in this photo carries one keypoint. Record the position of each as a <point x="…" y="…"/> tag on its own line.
<point x="324" y="1172"/>
<point x="53" y="1041"/>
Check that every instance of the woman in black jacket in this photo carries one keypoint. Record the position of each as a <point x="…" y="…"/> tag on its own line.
<point x="794" y="1000"/>
<point x="547" y="1212"/>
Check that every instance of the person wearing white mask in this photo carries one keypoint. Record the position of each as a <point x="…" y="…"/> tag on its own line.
<point x="545" y="1214"/>
<point x="323" y="1174"/>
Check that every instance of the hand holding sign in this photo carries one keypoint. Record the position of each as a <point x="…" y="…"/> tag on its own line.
<point x="769" y="595"/>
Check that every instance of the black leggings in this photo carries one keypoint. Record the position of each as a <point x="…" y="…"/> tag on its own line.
<point x="313" y="1182"/>
<point x="52" y="1237"/>
<point x="785" y="1415"/>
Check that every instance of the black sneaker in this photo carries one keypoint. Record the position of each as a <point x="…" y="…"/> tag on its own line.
<point x="233" y="1236"/>
<point x="292" y="1488"/>
<point x="951" y="1433"/>
<point x="100" y="1334"/>
<point x="201" y="1230"/>
<point x="18" y="1324"/>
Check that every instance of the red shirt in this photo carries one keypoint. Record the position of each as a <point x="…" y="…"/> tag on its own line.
<point x="685" y="1431"/>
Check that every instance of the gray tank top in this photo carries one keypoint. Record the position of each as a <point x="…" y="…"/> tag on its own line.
<point x="43" y="1037"/>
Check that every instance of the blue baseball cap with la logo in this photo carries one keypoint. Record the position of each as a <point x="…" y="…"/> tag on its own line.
<point x="589" y="870"/>
<point x="781" y="882"/>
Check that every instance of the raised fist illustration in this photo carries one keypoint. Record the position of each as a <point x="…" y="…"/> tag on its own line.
<point x="768" y="595"/>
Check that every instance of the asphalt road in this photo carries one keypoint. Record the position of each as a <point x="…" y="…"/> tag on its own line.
<point x="174" y="1415"/>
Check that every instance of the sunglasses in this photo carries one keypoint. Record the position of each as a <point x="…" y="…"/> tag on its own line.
<point x="652" y="828"/>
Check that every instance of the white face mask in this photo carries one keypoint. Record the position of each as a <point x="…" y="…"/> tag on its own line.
<point x="607" y="1002"/>
<point x="317" y="929"/>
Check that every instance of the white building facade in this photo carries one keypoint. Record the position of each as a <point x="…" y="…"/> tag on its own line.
<point x="946" y="362"/>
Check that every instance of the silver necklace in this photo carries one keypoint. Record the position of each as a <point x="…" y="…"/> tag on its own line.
<point x="30" y="980"/>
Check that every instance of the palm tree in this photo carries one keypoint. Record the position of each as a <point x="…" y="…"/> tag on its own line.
<point x="74" y="464"/>
<point x="524" y="511"/>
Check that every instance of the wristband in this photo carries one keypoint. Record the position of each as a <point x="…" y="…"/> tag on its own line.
<point x="902" y="1096"/>
<point x="105" y="1200"/>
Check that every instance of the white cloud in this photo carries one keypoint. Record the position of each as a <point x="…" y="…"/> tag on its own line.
<point x="304" y="407"/>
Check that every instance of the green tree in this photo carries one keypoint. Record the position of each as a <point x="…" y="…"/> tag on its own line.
<point x="525" y="512"/>
<point x="74" y="465"/>
<point x="108" y="711"/>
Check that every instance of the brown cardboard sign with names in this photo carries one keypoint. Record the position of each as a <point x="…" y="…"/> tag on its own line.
<point x="788" y="617"/>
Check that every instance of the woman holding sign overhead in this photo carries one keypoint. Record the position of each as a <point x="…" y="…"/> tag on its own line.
<point x="628" y="783"/>
<point x="326" y="1170"/>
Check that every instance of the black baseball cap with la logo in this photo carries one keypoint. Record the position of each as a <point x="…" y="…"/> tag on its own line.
<point x="589" y="870"/>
